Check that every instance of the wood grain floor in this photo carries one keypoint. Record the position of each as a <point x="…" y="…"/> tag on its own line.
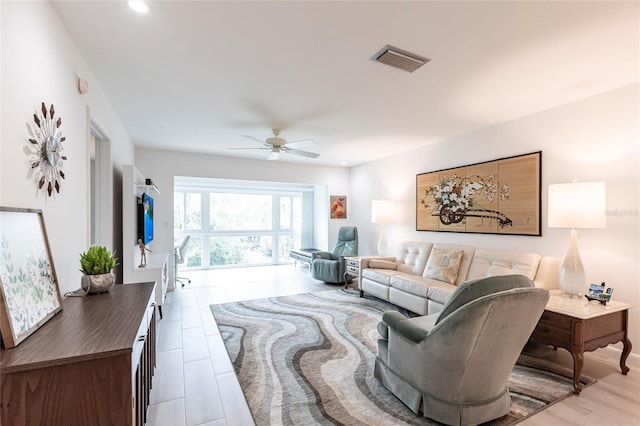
<point x="194" y="383"/>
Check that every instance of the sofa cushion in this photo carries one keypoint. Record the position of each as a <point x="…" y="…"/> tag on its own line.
<point x="443" y="265"/>
<point x="411" y="257"/>
<point x="487" y="263"/>
<point x="410" y="284"/>
<point x="381" y="264"/>
<point x="467" y="257"/>
<point x="441" y="292"/>
<point x="381" y="276"/>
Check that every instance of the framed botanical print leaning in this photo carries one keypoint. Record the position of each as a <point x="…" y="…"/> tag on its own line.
<point x="29" y="290"/>
<point x="495" y="197"/>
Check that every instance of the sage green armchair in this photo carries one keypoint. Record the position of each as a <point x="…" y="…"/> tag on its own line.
<point x="329" y="266"/>
<point x="453" y="366"/>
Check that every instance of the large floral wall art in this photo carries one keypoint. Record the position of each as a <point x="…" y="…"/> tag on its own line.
<point x="495" y="197"/>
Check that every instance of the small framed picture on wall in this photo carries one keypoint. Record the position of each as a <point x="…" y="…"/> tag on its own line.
<point x="338" y="206"/>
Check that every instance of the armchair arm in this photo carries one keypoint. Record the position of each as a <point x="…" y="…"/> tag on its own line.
<point x="392" y="318"/>
<point x="320" y="255"/>
<point x="404" y="327"/>
<point x="412" y="332"/>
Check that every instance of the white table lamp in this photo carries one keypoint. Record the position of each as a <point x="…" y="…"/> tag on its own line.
<point x="576" y="205"/>
<point x="382" y="212"/>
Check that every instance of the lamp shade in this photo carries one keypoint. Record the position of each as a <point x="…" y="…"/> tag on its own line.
<point x="381" y="211"/>
<point x="577" y="205"/>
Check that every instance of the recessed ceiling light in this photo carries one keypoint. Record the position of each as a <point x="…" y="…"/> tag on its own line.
<point x="139" y="6"/>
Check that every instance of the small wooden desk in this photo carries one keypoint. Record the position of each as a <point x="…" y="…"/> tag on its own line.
<point x="578" y="325"/>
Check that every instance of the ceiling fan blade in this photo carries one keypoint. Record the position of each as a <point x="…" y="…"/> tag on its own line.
<point x="248" y="148"/>
<point x="255" y="139"/>
<point x="305" y="143"/>
<point x="303" y="153"/>
<point x="273" y="155"/>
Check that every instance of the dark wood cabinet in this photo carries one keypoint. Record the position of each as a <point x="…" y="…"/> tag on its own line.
<point x="90" y="364"/>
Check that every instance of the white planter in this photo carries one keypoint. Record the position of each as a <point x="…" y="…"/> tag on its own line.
<point x="94" y="284"/>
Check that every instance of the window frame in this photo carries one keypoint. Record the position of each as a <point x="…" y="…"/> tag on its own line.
<point x="276" y="232"/>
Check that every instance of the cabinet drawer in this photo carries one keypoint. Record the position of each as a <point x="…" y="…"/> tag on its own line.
<point x="352" y="263"/>
<point x="353" y="270"/>
<point x="555" y="320"/>
<point x="551" y="336"/>
<point x="553" y="329"/>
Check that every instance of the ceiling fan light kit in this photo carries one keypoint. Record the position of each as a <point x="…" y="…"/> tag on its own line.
<point x="276" y="145"/>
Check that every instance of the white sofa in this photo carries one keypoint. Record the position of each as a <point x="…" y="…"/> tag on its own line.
<point x="405" y="280"/>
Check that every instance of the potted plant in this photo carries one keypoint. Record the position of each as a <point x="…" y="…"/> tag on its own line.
<point x="96" y="265"/>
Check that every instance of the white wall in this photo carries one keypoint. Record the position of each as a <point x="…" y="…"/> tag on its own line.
<point x="161" y="166"/>
<point x="593" y="139"/>
<point x="40" y="63"/>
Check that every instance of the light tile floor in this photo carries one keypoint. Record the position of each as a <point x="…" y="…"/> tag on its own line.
<point x="194" y="383"/>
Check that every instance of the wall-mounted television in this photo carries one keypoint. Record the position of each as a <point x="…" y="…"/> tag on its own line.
<point x="145" y="219"/>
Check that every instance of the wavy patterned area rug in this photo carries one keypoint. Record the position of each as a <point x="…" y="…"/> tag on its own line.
<point x="308" y="359"/>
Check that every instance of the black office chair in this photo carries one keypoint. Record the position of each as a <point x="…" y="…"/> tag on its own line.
<point x="180" y="254"/>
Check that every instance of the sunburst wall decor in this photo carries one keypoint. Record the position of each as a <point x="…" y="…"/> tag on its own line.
<point x="45" y="146"/>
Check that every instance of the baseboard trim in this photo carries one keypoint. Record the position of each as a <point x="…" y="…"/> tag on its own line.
<point x="613" y="352"/>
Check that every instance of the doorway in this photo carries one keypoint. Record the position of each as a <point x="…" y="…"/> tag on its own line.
<point x="100" y="188"/>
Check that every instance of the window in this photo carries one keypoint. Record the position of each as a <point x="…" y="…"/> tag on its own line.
<point x="187" y="213"/>
<point x="240" y="212"/>
<point x="235" y="223"/>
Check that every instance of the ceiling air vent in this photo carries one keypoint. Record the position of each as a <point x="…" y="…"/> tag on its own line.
<point x="399" y="58"/>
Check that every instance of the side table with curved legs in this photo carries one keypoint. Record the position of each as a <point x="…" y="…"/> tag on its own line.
<point x="579" y="326"/>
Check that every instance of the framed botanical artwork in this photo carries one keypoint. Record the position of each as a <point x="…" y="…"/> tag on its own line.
<point x="29" y="290"/>
<point x="338" y="206"/>
<point x="495" y="197"/>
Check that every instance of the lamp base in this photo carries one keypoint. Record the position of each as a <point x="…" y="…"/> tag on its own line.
<point x="382" y="242"/>
<point x="573" y="280"/>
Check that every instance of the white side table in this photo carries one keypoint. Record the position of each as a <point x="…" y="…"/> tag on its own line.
<point x="353" y="266"/>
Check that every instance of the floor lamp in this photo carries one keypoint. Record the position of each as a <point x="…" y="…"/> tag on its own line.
<point x="576" y="205"/>
<point x="382" y="212"/>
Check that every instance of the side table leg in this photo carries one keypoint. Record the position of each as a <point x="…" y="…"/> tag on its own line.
<point x="578" y="363"/>
<point x="346" y="282"/>
<point x="626" y="350"/>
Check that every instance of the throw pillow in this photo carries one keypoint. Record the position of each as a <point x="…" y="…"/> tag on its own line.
<point x="443" y="265"/>
<point x="381" y="264"/>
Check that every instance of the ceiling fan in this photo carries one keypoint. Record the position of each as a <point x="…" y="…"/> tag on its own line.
<point x="277" y="145"/>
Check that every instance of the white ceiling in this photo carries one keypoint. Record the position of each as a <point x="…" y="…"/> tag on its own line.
<point x="195" y="76"/>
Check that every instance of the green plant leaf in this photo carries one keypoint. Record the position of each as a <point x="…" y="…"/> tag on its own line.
<point x="97" y="260"/>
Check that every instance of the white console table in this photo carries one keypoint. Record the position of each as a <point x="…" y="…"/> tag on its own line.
<point x="156" y="270"/>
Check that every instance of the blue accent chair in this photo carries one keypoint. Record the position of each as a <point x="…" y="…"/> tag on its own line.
<point x="329" y="266"/>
